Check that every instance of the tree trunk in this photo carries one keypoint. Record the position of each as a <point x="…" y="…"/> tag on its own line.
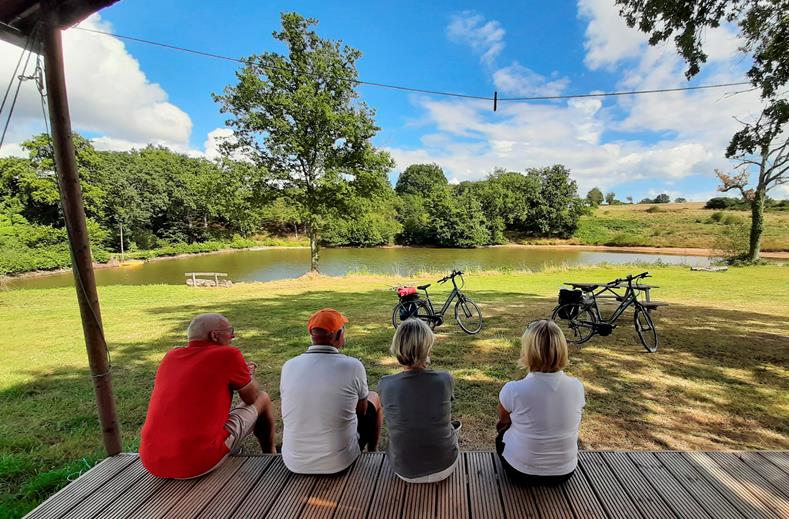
<point x="757" y="224"/>
<point x="314" y="252"/>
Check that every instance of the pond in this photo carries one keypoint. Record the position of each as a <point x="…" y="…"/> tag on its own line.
<point x="283" y="263"/>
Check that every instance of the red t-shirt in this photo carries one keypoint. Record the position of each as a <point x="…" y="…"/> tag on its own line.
<point x="184" y="434"/>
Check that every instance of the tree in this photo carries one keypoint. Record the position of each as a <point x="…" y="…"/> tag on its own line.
<point x="680" y="200"/>
<point x="629" y="199"/>
<point x="646" y="201"/>
<point x="610" y="198"/>
<point x="296" y="116"/>
<point x="557" y="209"/>
<point x="594" y="197"/>
<point x="764" y="29"/>
<point x="662" y="198"/>
<point x="765" y="146"/>
<point x="420" y="180"/>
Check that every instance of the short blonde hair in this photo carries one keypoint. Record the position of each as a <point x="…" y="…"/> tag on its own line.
<point x="412" y="343"/>
<point x="543" y="347"/>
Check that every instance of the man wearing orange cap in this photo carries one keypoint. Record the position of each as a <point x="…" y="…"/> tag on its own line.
<point x="328" y="413"/>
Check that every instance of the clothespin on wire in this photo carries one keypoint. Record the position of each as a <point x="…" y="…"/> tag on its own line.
<point x="495" y="100"/>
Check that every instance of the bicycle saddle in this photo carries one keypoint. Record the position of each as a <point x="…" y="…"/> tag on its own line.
<point x="423" y="287"/>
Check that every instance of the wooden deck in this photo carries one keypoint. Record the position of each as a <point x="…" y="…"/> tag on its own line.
<point x="626" y="485"/>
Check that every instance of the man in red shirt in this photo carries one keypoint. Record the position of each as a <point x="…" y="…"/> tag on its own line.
<point x="190" y="428"/>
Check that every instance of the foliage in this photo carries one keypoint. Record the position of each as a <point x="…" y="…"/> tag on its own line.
<point x="680" y="200"/>
<point x="662" y="198"/>
<point x="298" y="118"/>
<point x="594" y="197"/>
<point x="421" y="180"/>
<point x="610" y="198"/>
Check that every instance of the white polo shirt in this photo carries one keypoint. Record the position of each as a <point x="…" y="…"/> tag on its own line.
<point x="545" y="409"/>
<point x="319" y="391"/>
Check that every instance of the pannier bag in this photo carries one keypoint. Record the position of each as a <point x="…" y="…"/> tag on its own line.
<point x="407" y="294"/>
<point x="567" y="296"/>
<point x="408" y="310"/>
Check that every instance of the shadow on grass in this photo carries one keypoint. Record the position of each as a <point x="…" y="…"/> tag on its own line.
<point x="719" y="379"/>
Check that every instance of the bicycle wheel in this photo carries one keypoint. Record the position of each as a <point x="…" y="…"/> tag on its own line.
<point x="468" y="315"/>
<point x="645" y="329"/>
<point x="576" y="322"/>
<point x="412" y="309"/>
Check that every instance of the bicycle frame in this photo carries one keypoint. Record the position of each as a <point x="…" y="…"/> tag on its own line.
<point x="629" y="298"/>
<point x="452" y="295"/>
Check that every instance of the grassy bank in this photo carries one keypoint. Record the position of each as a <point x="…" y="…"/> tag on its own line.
<point x="719" y="381"/>
<point x="674" y="225"/>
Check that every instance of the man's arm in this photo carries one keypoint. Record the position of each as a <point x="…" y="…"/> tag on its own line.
<point x="250" y="393"/>
<point x="361" y="407"/>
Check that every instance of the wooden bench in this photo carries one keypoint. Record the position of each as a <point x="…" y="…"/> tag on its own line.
<point x="204" y="279"/>
<point x="607" y="484"/>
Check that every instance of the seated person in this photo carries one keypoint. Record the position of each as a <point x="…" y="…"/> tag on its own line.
<point x="190" y="428"/>
<point x="328" y="414"/>
<point x="423" y="442"/>
<point x="539" y="415"/>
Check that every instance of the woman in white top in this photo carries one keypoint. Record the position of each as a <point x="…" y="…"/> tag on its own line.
<point x="539" y="415"/>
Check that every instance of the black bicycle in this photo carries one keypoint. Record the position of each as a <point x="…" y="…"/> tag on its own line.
<point x="467" y="313"/>
<point x="578" y="313"/>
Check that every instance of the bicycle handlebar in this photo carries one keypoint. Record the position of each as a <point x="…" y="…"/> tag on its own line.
<point x="629" y="279"/>
<point x="450" y="276"/>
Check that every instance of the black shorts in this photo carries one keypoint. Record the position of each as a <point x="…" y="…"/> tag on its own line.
<point x="365" y="426"/>
<point x="521" y="478"/>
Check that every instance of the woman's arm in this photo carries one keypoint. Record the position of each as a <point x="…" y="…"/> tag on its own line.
<point x="504" y="419"/>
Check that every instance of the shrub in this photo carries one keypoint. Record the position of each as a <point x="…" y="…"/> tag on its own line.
<point x="717" y="216"/>
<point x="654" y="209"/>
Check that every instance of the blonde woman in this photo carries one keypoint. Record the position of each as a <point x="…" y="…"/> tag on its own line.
<point x="423" y="443"/>
<point x="539" y="415"/>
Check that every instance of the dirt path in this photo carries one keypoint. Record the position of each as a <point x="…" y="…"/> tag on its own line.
<point x="688" y="251"/>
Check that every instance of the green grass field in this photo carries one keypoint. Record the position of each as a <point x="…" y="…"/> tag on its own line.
<point x="719" y="381"/>
<point x="674" y="225"/>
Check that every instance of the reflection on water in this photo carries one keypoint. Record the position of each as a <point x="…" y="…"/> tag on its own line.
<point x="270" y="264"/>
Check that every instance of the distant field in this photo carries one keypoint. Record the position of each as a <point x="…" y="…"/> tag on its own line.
<point x="673" y="225"/>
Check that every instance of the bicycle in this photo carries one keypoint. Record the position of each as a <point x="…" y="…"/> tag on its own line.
<point x="578" y="313"/>
<point x="467" y="313"/>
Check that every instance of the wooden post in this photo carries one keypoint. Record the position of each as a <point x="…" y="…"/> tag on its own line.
<point x="74" y="215"/>
<point x="121" y="242"/>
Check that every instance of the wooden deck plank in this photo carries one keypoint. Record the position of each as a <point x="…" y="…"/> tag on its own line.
<point x="162" y="501"/>
<point x="420" y="501"/>
<point x="389" y="494"/>
<point x="733" y="490"/>
<point x="611" y="493"/>
<point x="673" y="493"/>
<point x="325" y="496"/>
<point x="517" y="500"/>
<point x="483" y="486"/>
<point x="293" y="496"/>
<point x="105" y="494"/>
<point x="697" y="485"/>
<point x="758" y="486"/>
<point x="237" y="488"/>
<point x="74" y="493"/>
<point x="452" y="497"/>
<point x="644" y="496"/>
<point x="265" y="492"/>
<point x="206" y="488"/>
<point x="767" y="470"/>
<point x="582" y="497"/>
<point x="358" y="494"/>
<point x="141" y="491"/>
<point x="779" y="459"/>
<point x="552" y="503"/>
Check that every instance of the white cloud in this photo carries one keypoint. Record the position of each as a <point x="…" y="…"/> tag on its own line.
<point x="108" y="92"/>
<point x="485" y="38"/>
<point x="608" y="38"/>
<point x="518" y="80"/>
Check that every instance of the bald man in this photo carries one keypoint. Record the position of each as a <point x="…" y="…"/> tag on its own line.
<point x="190" y="428"/>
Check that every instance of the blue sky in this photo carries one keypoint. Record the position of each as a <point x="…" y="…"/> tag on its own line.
<point x="125" y="94"/>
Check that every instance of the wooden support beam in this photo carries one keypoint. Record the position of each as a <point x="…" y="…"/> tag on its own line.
<point x="74" y="215"/>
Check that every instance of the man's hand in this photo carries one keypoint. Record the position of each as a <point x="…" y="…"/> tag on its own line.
<point x="252" y="367"/>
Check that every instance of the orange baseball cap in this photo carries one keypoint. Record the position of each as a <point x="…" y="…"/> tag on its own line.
<point x="328" y="319"/>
